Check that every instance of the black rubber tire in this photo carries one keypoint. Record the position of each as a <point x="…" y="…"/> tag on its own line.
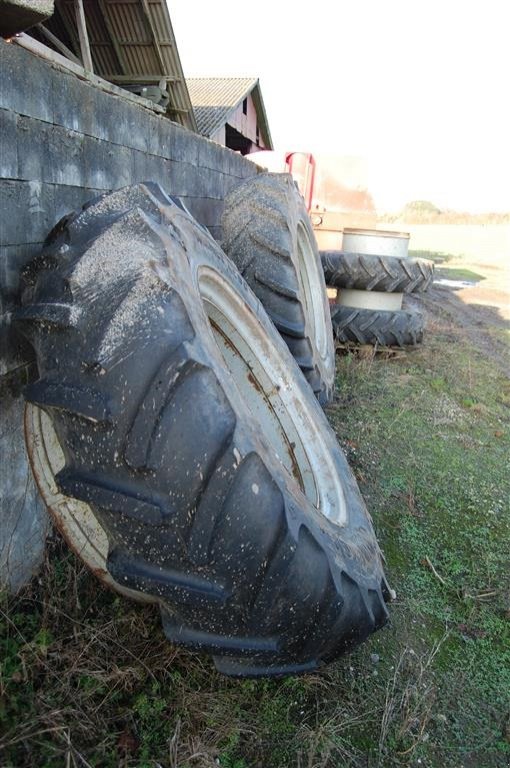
<point x="391" y="274"/>
<point x="198" y="509"/>
<point x="261" y="222"/>
<point x="402" y="328"/>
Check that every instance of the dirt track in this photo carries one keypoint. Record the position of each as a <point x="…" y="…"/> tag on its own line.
<point x="480" y="311"/>
<point x="482" y="324"/>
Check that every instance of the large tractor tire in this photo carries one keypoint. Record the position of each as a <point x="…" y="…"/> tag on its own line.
<point x="192" y="444"/>
<point x="268" y="235"/>
<point x="390" y="274"/>
<point x="401" y="328"/>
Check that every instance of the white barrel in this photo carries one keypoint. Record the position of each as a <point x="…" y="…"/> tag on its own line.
<point x="380" y="242"/>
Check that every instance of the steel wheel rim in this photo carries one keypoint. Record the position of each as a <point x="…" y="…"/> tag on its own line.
<point x="230" y="318"/>
<point x="74" y="519"/>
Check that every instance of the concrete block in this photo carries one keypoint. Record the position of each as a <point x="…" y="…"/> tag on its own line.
<point x="81" y="107"/>
<point x="134" y="129"/>
<point x="24" y="522"/>
<point x="249" y="169"/>
<point x="49" y="153"/>
<point x="214" y="184"/>
<point x="27" y="211"/>
<point x="151" y="168"/>
<point x="213" y="156"/>
<point x="240" y="166"/>
<point x="185" y="179"/>
<point x="16" y="351"/>
<point x="27" y="82"/>
<point x="190" y="181"/>
<point x="159" y="137"/>
<point x="106" y="165"/>
<point x="8" y="145"/>
<point x="12" y="260"/>
<point x="68" y="199"/>
<point x="206" y="211"/>
<point x="67" y="152"/>
<point x="230" y="182"/>
<point x="206" y="183"/>
<point x="74" y="105"/>
<point x="182" y="145"/>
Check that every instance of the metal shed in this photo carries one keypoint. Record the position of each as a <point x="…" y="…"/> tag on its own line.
<point x="130" y="43"/>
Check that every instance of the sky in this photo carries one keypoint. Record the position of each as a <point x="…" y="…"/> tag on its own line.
<point x="419" y="90"/>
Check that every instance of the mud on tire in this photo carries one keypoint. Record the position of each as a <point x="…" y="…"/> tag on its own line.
<point x="267" y="562"/>
<point x="268" y="234"/>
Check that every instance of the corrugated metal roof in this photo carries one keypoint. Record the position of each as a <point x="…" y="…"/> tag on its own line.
<point x="131" y="41"/>
<point x="215" y="98"/>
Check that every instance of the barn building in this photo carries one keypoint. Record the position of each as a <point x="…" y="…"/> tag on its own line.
<point x="230" y="111"/>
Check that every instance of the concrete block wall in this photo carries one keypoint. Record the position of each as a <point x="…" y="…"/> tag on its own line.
<point x="62" y="142"/>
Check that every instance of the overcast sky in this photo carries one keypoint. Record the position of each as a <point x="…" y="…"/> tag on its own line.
<point x="419" y="89"/>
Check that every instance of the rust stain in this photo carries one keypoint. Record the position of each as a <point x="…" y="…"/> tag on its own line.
<point x="255" y="383"/>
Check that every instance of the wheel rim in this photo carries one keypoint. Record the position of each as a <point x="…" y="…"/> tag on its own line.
<point x="313" y="290"/>
<point x="359" y="299"/>
<point x="268" y="389"/>
<point x="74" y="519"/>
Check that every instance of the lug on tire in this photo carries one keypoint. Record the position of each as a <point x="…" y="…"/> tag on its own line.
<point x="203" y="468"/>
<point x="391" y="274"/>
<point x="401" y="328"/>
<point x="268" y="235"/>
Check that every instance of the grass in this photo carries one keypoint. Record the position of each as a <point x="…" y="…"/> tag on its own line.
<point x="438" y="257"/>
<point x="450" y="273"/>
<point x="457" y="273"/>
<point x="87" y="678"/>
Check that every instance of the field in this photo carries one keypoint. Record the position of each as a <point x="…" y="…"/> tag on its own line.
<point x="87" y="678"/>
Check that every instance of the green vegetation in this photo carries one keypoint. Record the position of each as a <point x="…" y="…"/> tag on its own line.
<point x="87" y="678"/>
<point x="417" y="207"/>
<point x="458" y="273"/>
<point x="425" y="212"/>
<point x="450" y="273"/>
<point x="438" y="257"/>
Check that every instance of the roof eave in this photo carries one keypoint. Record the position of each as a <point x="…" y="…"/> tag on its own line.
<point x="256" y="95"/>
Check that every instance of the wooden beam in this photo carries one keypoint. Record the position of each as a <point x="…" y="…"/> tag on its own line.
<point x="147" y="14"/>
<point x="39" y="49"/>
<point x="70" y="29"/>
<point x="59" y="45"/>
<point x="140" y="79"/>
<point x="118" y="51"/>
<point x="84" y="38"/>
<point x="177" y="110"/>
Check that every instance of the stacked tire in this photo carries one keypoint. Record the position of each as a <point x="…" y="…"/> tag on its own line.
<point x="371" y="288"/>
<point x="178" y="443"/>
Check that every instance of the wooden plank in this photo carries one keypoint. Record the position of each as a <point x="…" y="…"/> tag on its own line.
<point x="84" y="38"/>
<point x="177" y="110"/>
<point x="39" y="49"/>
<point x="140" y="79"/>
<point x="70" y="29"/>
<point x="59" y="45"/>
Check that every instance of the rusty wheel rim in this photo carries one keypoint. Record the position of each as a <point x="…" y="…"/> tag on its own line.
<point x="74" y="519"/>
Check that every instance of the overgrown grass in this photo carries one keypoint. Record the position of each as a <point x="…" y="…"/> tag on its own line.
<point x="87" y="678"/>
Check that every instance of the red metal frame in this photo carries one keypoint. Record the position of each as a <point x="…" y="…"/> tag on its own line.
<point x="306" y="188"/>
